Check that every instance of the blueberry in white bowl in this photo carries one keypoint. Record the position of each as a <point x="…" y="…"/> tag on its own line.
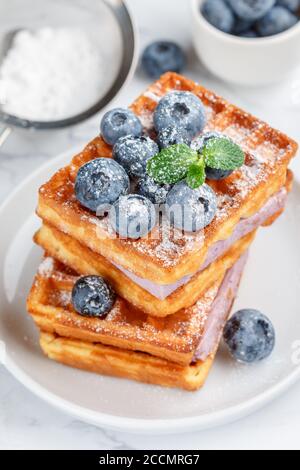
<point x="276" y="21"/>
<point x="133" y="153"/>
<point x="99" y="183"/>
<point x="292" y="5"/>
<point x="250" y="336"/>
<point x="180" y="109"/>
<point x="132" y="217"/>
<point x="161" y="57"/>
<point x="92" y="296"/>
<point x="156" y="193"/>
<point x="189" y="209"/>
<point x="173" y="136"/>
<point x="251" y="9"/>
<point x="218" y="14"/>
<point x="118" y="123"/>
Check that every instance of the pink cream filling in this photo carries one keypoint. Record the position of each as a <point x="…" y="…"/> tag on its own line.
<point x="219" y="312"/>
<point x="243" y="228"/>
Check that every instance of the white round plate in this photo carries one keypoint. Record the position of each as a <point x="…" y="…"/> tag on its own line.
<point x="270" y="283"/>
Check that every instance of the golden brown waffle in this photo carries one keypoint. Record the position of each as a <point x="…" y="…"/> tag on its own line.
<point x="164" y="259"/>
<point x="107" y="360"/>
<point x="85" y="262"/>
<point x="175" y="338"/>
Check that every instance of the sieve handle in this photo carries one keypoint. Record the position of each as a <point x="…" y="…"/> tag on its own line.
<point x="4" y="134"/>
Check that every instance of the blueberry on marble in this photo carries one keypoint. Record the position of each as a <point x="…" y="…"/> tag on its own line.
<point x="133" y="153"/>
<point x="180" y="109"/>
<point x="156" y="193"/>
<point x="276" y="21"/>
<point x="119" y="123"/>
<point x="173" y="136"/>
<point x="189" y="209"/>
<point x="99" y="183"/>
<point x="251" y="10"/>
<point x="92" y="296"/>
<point x="250" y="336"/>
<point x="292" y="5"/>
<point x="132" y="216"/>
<point x="161" y="57"/>
<point x="217" y="13"/>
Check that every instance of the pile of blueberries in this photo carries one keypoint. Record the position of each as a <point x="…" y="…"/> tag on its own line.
<point x="121" y="186"/>
<point x="252" y="18"/>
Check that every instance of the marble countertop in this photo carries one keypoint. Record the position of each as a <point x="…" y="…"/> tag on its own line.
<point x="28" y="423"/>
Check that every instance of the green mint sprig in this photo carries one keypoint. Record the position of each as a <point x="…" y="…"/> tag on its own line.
<point x="178" y="162"/>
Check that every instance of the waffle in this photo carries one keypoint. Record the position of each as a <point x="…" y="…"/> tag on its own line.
<point x="190" y="333"/>
<point x="85" y="262"/>
<point x="166" y="257"/>
<point x="107" y="360"/>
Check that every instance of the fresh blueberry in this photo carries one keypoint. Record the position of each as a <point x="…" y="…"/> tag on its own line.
<point x="217" y="13"/>
<point x="93" y="297"/>
<point x="132" y="216"/>
<point x="276" y="21"/>
<point x="119" y="123"/>
<point x="154" y="192"/>
<point x="180" y="109"/>
<point x="133" y="153"/>
<point x="191" y="209"/>
<point x="251" y="10"/>
<point x="292" y="5"/>
<point x="240" y="26"/>
<point x="250" y="336"/>
<point x="250" y="33"/>
<point x="161" y="57"/>
<point x="172" y="136"/>
<point x="198" y="145"/>
<point x="100" y="183"/>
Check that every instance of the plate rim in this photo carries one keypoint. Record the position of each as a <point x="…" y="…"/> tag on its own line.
<point x="136" y="425"/>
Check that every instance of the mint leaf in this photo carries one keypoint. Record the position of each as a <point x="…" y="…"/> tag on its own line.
<point x="223" y="154"/>
<point x="196" y="174"/>
<point x="171" y="164"/>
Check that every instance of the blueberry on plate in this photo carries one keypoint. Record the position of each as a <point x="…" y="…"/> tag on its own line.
<point x="92" y="296"/>
<point x="156" y="193"/>
<point x="173" y="136"/>
<point x="132" y="216"/>
<point x="217" y="13"/>
<point x="161" y="57"/>
<point x="276" y="21"/>
<point x="133" y="153"/>
<point x="198" y="145"/>
<point x="189" y="209"/>
<point x="292" y="5"/>
<point x="118" y="123"/>
<point x="180" y="109"/>
<point x="251" y="10"/>
<point x="99" y="183"/>
<point x="250" y="336"/>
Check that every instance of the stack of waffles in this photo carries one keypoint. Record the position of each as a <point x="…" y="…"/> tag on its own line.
<point x="174" y="291"/>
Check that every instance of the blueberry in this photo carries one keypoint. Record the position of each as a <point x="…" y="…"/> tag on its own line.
<point x="180" y="109"/>
<point x="198" y="145"/>
<point x="119" y="123"/>
<point x="154" y="192"/>
<point x="161" y="57"/>
<point x="191" y="209"/>
<point x="172" y="136"/>
<point x="250" y="336"/>
<point x="250" y="33"/>
<point x="217" y="13"/>
<point x="133" y="153"/>
<point x="251" y="9"/>
<point x="241" y="26"/>
<point x="100" y="183"/>
<point x="292" y="5"/>
<point x="93" y="297"/>
<point x="132" y="216"/>
<point x="276" y="21"/>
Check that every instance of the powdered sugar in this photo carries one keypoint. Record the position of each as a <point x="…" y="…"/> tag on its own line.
<point x="46" y="267"/>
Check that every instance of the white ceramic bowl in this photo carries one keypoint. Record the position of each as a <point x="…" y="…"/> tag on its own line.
<point x="245" y="61"/>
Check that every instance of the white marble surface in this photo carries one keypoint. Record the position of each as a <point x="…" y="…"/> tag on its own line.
<point x="28" y="423"/>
